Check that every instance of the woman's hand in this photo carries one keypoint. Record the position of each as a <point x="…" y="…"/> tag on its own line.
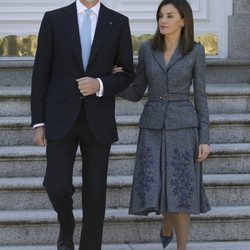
<point x="117" y="69"/>
<point x="204" y="151"/>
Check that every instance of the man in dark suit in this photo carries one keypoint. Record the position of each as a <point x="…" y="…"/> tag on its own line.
<point x="73" y="102"/>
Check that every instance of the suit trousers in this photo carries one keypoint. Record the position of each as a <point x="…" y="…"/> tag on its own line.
<point x="58" y="182"/>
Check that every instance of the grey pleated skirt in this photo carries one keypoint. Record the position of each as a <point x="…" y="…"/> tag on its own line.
<point x="167" y="176"/>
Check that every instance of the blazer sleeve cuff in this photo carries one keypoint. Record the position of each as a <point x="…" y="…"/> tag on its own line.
<point x="204" y="136"/>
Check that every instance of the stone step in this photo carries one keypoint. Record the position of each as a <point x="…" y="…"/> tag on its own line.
<point x="222" y="99"/>
<point x="16" y="72"/>
<point x="17" y="130"/>
<point x="39" y="226"/>
<point x="224" y="245"/>
<point x="19" y="72"/>
<point x="28" y="193"/>
<point x="28" y="161"/>
<point x="228" y="71"/>
<point x="14" y="101"/>
<point x="225" y="128"/>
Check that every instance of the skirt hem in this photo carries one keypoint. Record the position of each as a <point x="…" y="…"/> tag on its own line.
<point x="147" y="211"/>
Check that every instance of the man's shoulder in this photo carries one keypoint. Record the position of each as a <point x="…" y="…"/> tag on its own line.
<point x="59" y="11"/>
<point x="114" y="13"/>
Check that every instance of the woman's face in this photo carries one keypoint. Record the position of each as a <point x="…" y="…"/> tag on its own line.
<point x="170" y="21"/>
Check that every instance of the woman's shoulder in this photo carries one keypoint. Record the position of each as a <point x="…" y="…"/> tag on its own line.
<point x="146" y="45"/>
<point x="198" y="47"/>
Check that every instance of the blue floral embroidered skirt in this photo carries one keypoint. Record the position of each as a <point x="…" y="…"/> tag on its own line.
<point x="167" y="176"/>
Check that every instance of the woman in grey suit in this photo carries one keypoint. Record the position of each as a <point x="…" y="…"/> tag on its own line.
<point x="174" y="133"/>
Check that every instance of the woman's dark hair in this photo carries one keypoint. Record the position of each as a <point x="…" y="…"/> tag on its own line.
<point x="187" y="32"/>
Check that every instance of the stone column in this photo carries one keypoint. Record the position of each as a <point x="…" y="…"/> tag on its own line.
<point x="239" y="30"/>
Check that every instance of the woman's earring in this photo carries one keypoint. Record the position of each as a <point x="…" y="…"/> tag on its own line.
<point x="182" y="25"/>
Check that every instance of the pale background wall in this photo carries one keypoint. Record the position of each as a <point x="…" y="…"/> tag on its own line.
<point x="23" y="17"/>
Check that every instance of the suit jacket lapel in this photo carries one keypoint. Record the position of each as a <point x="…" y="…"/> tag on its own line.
<point x="103" y="28"/>
<point x="70" y="23"/>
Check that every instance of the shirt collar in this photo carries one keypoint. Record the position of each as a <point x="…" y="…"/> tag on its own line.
<point x="81" y="8"/>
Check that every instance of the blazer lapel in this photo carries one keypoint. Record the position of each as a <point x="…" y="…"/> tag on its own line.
<point x="177" y="56"/>
<point x="103" y="29"/>
<point x="159" y="57"/>
<point x="70" y="23"/>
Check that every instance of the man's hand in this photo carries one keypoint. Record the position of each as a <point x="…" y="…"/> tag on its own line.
<point x="204" y="151"/>
<point x="39" y="136"/>
<point x="88" y="86"/>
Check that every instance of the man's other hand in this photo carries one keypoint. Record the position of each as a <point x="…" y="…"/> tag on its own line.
<point x="39" y="136"/>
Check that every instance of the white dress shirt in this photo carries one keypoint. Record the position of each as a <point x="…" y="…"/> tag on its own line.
<point x="93" y="18"/>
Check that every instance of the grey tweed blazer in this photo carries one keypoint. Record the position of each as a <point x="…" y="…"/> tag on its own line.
<point x="168" y="86"/>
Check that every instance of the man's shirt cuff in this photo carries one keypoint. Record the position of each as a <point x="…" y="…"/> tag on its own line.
<point x="39" y="125"/>
<point x="100" y="92"/>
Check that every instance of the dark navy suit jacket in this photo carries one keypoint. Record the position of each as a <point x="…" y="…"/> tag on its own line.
<point x="55" y="97"/>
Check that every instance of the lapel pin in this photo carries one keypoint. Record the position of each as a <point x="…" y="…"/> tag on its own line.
<point x="110" y="23"/>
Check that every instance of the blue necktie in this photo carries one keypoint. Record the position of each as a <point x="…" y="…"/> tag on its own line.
<point x="86" y="37"/>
